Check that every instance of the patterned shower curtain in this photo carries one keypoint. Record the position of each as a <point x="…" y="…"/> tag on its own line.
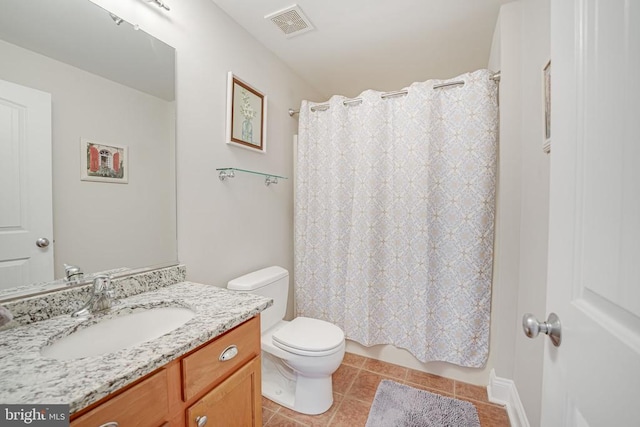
<point x="394" y="218"/>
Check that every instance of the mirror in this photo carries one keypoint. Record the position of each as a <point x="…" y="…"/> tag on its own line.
<point x="114" y="85"/>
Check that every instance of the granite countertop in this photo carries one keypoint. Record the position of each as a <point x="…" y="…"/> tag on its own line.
<point x="30" y="378"/>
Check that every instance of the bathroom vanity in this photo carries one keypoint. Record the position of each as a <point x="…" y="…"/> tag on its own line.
<point x="205" y="372"/>
<point x="196" y="389"/>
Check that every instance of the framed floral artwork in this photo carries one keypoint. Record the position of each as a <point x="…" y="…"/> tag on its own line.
<point x="103" y="162"/>
<point x="246" y="115"/>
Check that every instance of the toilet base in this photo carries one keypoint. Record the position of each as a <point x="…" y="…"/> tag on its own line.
<point x="311" y="396"/>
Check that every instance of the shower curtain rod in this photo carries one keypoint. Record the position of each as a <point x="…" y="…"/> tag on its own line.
<point x="325" y="106"/>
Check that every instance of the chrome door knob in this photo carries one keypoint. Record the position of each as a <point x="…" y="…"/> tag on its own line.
<point x="42" y="242"/>
<point x="532" y="327"/>
<point x="201" y="421"/>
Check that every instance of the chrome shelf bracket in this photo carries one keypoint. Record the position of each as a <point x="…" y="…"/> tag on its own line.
<point x="269" y="179"/>
<point x="224" y="174"/>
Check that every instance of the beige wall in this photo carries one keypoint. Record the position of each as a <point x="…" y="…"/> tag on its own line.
<point x="524" y="40"/>
<point x="534" y="223"/>
<point x="225" y="229"/>
<point x="507" y="245"/>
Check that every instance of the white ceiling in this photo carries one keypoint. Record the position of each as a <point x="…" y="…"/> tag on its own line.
<point x="375" y="44"/>
<point x="85" y="36"/>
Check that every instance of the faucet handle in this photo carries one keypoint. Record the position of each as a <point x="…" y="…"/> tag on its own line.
<point x="101" y="284"/>
<point x="72" y="273"/>
<point x="103" y="297"/>
<point x="71" y="269"/>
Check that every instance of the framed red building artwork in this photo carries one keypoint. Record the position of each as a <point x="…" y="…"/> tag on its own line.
<point x="103" y="162"/>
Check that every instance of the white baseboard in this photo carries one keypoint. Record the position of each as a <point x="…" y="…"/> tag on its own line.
<point x="503" y="392"/>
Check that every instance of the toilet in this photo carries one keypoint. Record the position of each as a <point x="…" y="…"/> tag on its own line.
<point x="298" y="356"/>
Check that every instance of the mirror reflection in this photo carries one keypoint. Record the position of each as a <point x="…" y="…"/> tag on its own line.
<point x="112" y="85"/>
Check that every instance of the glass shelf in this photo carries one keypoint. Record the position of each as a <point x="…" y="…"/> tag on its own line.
<point x="269" y="178"/>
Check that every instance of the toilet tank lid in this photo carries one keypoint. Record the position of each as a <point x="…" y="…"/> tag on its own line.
<point x="257" y="279"/>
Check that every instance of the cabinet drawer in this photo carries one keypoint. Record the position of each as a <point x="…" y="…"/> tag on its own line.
<point x="204" y="368"/>
<point x="143" y="405"/>
<point x="236" y="402"/>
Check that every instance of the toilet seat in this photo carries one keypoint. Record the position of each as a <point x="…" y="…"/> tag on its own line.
<point x="309" y="337"/>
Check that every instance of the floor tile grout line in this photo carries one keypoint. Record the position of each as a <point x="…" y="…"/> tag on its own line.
<point x="472" y="400"/>
<point x="269" y="419"/>
<point x="348" y="389"/>
<point x="330" y="421"/>
<point x="297" y="422"/>
<point x="386" y="375"/>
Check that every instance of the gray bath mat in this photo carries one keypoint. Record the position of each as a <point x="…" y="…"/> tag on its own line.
<point x="398" y="405"/>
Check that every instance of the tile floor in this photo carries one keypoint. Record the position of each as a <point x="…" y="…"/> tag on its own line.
<point x="355" y="384"/>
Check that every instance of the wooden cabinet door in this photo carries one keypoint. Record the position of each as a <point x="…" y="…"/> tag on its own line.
<point x="143" y="405"/>
<point x="236" y="402"/>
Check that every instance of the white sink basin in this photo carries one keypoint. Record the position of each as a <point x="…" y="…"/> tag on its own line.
<point x="115" y="333"/>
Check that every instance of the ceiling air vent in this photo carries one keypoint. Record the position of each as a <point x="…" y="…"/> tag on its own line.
<point x="291" y="21"/>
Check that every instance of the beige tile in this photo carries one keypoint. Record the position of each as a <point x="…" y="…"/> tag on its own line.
<point x="492" y="415"/>
<point x="266" y="415"/>
<point x="435" y="382"/>
<point x="365" y="385"/>
<point x="475" y="402"/>
<point x="279" y="421"/>
<point x="470" y="391"/>
<point x="343" y="378"/>
<point x="351" y="413"/>
<point x="388" y="369"/>
<point x="429" y="389"/>
<point x="320" y="420"/>
<point x="354" y="360"/>
<point x="269" y="404"/>
<point x="352" y="409"/>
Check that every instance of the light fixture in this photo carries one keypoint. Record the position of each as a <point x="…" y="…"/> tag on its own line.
<point x="160" y="3"/>
<point x="116" y="19"/>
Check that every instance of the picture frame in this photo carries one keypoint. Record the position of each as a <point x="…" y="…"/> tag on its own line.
<point x="546" y="79"/>
<point x="246" y="115"/>
<point x="101" y="162"/>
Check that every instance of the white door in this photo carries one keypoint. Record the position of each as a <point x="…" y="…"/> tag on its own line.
<point x="593" y="378"/>
<point x="25" y="190"/>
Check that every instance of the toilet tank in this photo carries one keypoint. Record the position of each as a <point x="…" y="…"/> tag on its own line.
<point x="271" y="282"/>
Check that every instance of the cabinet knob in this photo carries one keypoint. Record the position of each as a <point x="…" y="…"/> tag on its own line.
<point x="228" y="353"/>
<point x="201" y="421"/>
<point x="110" y="424"/>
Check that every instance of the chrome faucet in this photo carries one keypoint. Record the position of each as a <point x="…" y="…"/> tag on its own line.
<point x="102" y="297"/>
<point x="73" y="274"/>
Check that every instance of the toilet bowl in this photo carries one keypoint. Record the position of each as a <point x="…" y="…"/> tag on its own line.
<point x="298" y="356"/>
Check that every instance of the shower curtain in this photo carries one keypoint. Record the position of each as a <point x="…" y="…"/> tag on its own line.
<point x="394" y="218"/>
